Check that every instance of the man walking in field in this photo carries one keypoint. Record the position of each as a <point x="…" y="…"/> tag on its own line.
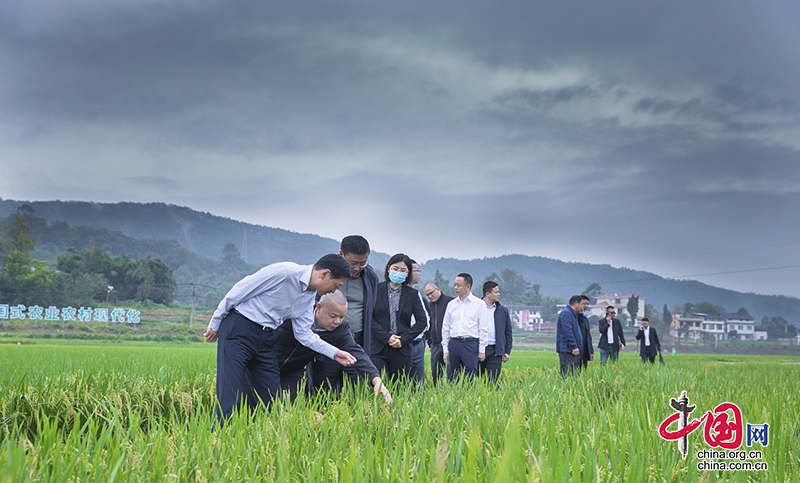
<point x="498" y="349"/>
<point x="568" y="337"/>
<point x="438" y="305"/>
<point x="612" y="340"/>
<point x="587" y="350"/>
<point x="465" y="330"/>
<point x="417" y="371"/>
<point x="649" y="345"/>
<point x="246" y="319"/>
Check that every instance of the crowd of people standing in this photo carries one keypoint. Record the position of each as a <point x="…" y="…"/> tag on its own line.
<point x="338" y="318"/>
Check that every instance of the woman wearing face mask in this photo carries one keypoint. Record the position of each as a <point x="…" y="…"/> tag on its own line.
<point x="392" y="331"/>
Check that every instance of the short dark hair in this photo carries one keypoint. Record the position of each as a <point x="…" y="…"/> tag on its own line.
<point x="645" y="318"/>
<point x="337" y="265"/>
<point x="575" y="299"/>
<point x="355" y="244"/>
<point x="610" y="307"/>
<point x="489" y="286"/>
<point x="413" y="261"/>
<point x="467" y="278"/>
<point x="585" y="297"/>
<point x="396" y="258"/>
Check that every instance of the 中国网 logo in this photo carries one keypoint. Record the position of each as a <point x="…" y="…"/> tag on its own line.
<point x="723" y="428"/>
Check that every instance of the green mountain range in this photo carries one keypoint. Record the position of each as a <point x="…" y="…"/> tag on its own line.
<point x="191" y="243"/>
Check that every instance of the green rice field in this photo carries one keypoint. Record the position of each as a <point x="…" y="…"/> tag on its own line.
<point x="110" y="413"/>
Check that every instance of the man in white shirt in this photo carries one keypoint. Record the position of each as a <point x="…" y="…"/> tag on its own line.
<point x="612" y="340"/>
<point x="465" y="330"/>
<point x="246" y="319"/>
<point x="649" y="345"/>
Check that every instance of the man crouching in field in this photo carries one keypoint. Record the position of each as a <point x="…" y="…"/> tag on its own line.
<point x="329" y="324"/>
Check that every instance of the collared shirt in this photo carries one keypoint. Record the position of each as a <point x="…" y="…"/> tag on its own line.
<point x="646" y="336"/>
<point x="353" y="290"/>
<point x="492" y="335"/>
<point x="273" y="294"/>
<point x="466" y="318"/>
<point x="611" y="332"/>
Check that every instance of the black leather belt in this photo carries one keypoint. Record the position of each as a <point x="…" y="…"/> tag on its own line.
<point x="465" y="339"/>
<point x="416" y="341"/>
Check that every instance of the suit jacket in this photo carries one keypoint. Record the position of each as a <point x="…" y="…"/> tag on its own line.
<point x="619" y="337"/>
<point x="370" y="295"/>
<point x="410" y="303"/>
<point x="502" y="331"/>
<point x="568" y="332"/>
<point x="655" y="344"/>
<point x="293" y="356"/>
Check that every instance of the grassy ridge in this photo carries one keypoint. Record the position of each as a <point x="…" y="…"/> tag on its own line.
<point x="103" y="413"/>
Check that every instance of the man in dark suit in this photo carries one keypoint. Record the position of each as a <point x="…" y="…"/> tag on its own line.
<point x="587" y="350"/>
<point x="438" y="305"/>
<point x="612" y="340"/>
<point x="649" y="345"/>
<point x="329" y="324"/>
<point x="500" y="339"/>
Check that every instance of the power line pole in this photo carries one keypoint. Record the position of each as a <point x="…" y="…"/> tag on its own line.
<point x="191" y="316"/>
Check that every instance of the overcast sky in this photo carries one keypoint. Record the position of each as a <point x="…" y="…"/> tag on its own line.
<point x="662" y="136"/>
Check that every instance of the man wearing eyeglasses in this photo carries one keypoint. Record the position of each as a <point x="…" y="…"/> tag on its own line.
<point x="612" y="340"/>
<point x="360" y="290"/>
<point x="438" y="305"/>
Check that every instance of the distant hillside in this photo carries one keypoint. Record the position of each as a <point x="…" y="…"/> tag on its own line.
<point x="563" y="279"/>
<point x="203" y="233"/>
<point x="191" y="243"/>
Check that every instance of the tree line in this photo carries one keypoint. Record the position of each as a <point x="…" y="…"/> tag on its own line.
<point x="76" y="277"/>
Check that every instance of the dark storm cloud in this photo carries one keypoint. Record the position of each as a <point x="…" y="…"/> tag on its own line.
<point x="673" y="125"/>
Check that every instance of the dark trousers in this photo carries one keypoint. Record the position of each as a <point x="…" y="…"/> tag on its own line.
<point x="325" y="373"/>
<point x="417" y="371"/>
<point x="396" y="364"/>
<point x="290" y="383"/>
<point x="648" y="357"/>
<point x="463" y="357"/>
<point x="491" y="364"/>
<point x="606" y="353"/>
<point x="437" y="362"/>
<point x="569" y="363"/>
<point x="247" y="367"/>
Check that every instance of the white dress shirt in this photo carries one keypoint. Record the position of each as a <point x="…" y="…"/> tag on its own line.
<point x="466" y="318"/>
<point x="611" y="332"/>
<point x="646" y="336"/>
<point x="273" y="294"/>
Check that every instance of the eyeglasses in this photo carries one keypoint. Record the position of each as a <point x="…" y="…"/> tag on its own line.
<point x="430" y="294"/>
<point x="358" y="264"/>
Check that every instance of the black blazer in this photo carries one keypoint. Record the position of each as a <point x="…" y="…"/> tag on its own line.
<point x="410" y="304"/>
<point x="655" y="344"/>
<point x="293" y="356"/>
<point x="619" y="337"/>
